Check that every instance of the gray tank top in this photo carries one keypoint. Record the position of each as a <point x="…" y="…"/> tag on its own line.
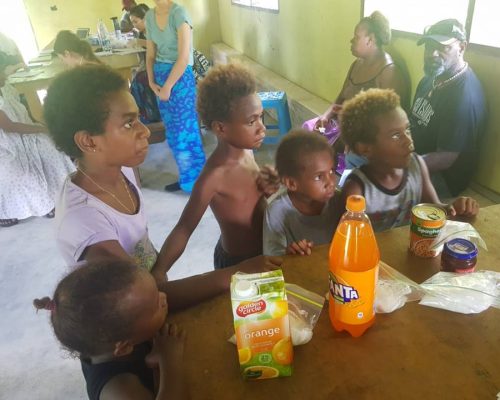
<point x="390" y="208"/>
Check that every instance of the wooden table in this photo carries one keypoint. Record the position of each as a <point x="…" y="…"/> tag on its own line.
<point x="416" y="352"/>
<point x="123" y="63"/>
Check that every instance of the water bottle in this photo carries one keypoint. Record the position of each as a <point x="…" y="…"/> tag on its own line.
<point x="354" y="258"/>
<point x="102" y="33"/>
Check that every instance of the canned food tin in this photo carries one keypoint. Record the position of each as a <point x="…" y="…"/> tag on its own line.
<point x="426" y="223"/>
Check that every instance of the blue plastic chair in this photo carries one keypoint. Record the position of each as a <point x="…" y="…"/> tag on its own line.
<point x="278" y="101"/>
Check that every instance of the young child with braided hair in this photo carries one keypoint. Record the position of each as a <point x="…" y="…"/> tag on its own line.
<point x="112" y="316"/>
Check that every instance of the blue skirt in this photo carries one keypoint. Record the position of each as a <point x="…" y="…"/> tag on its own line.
<point x="181" y="120"/>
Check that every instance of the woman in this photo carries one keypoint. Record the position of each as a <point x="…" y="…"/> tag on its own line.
<point x="169" y="59"/>
<point x="73" y="51"/>
<point x="373" y="68"/>
<point x="139" y="87"/>
<point x="32" y="170"/>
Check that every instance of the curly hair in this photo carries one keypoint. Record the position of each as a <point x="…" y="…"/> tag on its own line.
<point x="68" y="41"/>
<point x="358" y="114"/>
<point x="294" y="147"/>
<point x="219" y="90"/>
<point x="378" y="24"/>
<point x="87" y="311"/>
<point x="77" y="100"/>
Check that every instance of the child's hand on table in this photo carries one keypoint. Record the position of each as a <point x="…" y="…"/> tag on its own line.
<point x="302" y="247"/>
<point x="260" y="264"/>
<point x="463" y="206"/>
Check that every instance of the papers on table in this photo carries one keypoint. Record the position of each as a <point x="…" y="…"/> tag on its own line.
<point x="22" y="74"/>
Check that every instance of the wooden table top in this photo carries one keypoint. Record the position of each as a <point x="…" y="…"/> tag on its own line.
<point x="416" y="352"/>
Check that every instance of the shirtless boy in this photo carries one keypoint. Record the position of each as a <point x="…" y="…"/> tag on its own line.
<point x="229" y="105"/>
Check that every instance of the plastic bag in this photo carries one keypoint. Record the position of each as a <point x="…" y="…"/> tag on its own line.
<point x="304" y="308"/>
<point x="394" y="290"/>
<point x="464" y="293"/>
<point x="457" y="229"/>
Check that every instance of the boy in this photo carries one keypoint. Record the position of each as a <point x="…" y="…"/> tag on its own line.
<point x="305" y="214"/>
<point x="395" y="178"/>
<point x="229" y="105"/>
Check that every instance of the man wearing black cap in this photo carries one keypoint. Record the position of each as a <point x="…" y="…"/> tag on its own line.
<point x="448" y="116"/>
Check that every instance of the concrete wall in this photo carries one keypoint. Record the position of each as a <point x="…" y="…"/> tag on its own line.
<point x="307" y="42"/>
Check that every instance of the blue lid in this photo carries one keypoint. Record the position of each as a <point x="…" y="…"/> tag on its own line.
<point x="461" y="249"/>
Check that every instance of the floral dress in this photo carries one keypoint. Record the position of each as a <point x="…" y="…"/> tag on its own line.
<point x="32" y="170"/>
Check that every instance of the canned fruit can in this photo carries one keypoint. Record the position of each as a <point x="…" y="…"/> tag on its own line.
<point x="426" y="223"/>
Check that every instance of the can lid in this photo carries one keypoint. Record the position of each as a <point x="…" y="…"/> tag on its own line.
<point x="244" y="288"/>
<point x="461" y="249"/>
<point x="355" y="203"/>
<point x="429" y="212"/>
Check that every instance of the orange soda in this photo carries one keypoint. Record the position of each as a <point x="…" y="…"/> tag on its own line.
<point x="353" y="259"/>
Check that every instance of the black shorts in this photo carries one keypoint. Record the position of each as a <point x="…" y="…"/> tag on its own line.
<point x="223" y="260"/>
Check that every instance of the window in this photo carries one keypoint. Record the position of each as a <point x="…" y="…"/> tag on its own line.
<point x="414" y="15"/>
<point x="485" y="28"/>
<point x="18" y="28"/>
<point x="266" y="4"/>
<point x="480" y="17"/>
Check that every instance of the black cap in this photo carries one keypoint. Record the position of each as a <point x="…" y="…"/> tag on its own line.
<point x="444" y="32"/>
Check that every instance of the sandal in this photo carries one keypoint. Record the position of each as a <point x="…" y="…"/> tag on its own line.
<point x="51" y="214"/>
<point x="5" y="223"/>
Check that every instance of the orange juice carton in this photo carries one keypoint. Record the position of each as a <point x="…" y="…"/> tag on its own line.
<point x="260" y="311"/>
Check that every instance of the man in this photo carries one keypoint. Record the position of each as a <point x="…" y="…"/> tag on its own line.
<point x="448" y="116"/>
<point x="125" y="23"/>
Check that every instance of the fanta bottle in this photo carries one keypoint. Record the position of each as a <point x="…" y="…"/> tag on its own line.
<point x="354" y="259"/>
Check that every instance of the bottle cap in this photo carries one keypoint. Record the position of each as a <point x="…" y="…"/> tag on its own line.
<point x="355" y="203"/>
<point x="244" y="288"/>
<point x="461" y="249"/>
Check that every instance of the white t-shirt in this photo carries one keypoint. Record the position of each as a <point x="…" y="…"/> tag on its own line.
<point x="83" y="220"/>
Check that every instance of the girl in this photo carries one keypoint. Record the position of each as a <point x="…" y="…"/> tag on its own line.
<point x="93" y="117"/>
<point x="108" y="313"/>
<point x="73" y="51"/>
<point x="32" y="170"/>
<point x="169" y="60"/>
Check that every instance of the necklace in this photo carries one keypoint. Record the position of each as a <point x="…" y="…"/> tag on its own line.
<point x="130" y="211"/>
<point x="447" y="81"/>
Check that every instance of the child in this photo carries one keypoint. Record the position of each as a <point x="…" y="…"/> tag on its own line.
<point x="395" y="178"/>
<point x="230" y="107"/>
<point x="108" y="313"/>
<point x="93" y="118"/>
<point x="304" y="215"/>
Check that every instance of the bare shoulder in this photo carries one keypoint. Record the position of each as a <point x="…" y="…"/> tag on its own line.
<point x="125" y="387"/>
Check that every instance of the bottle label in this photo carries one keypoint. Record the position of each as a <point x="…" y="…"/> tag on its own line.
<point x="353" y="294"/>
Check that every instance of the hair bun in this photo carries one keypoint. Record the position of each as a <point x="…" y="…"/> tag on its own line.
<point x="381" y="27"/>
